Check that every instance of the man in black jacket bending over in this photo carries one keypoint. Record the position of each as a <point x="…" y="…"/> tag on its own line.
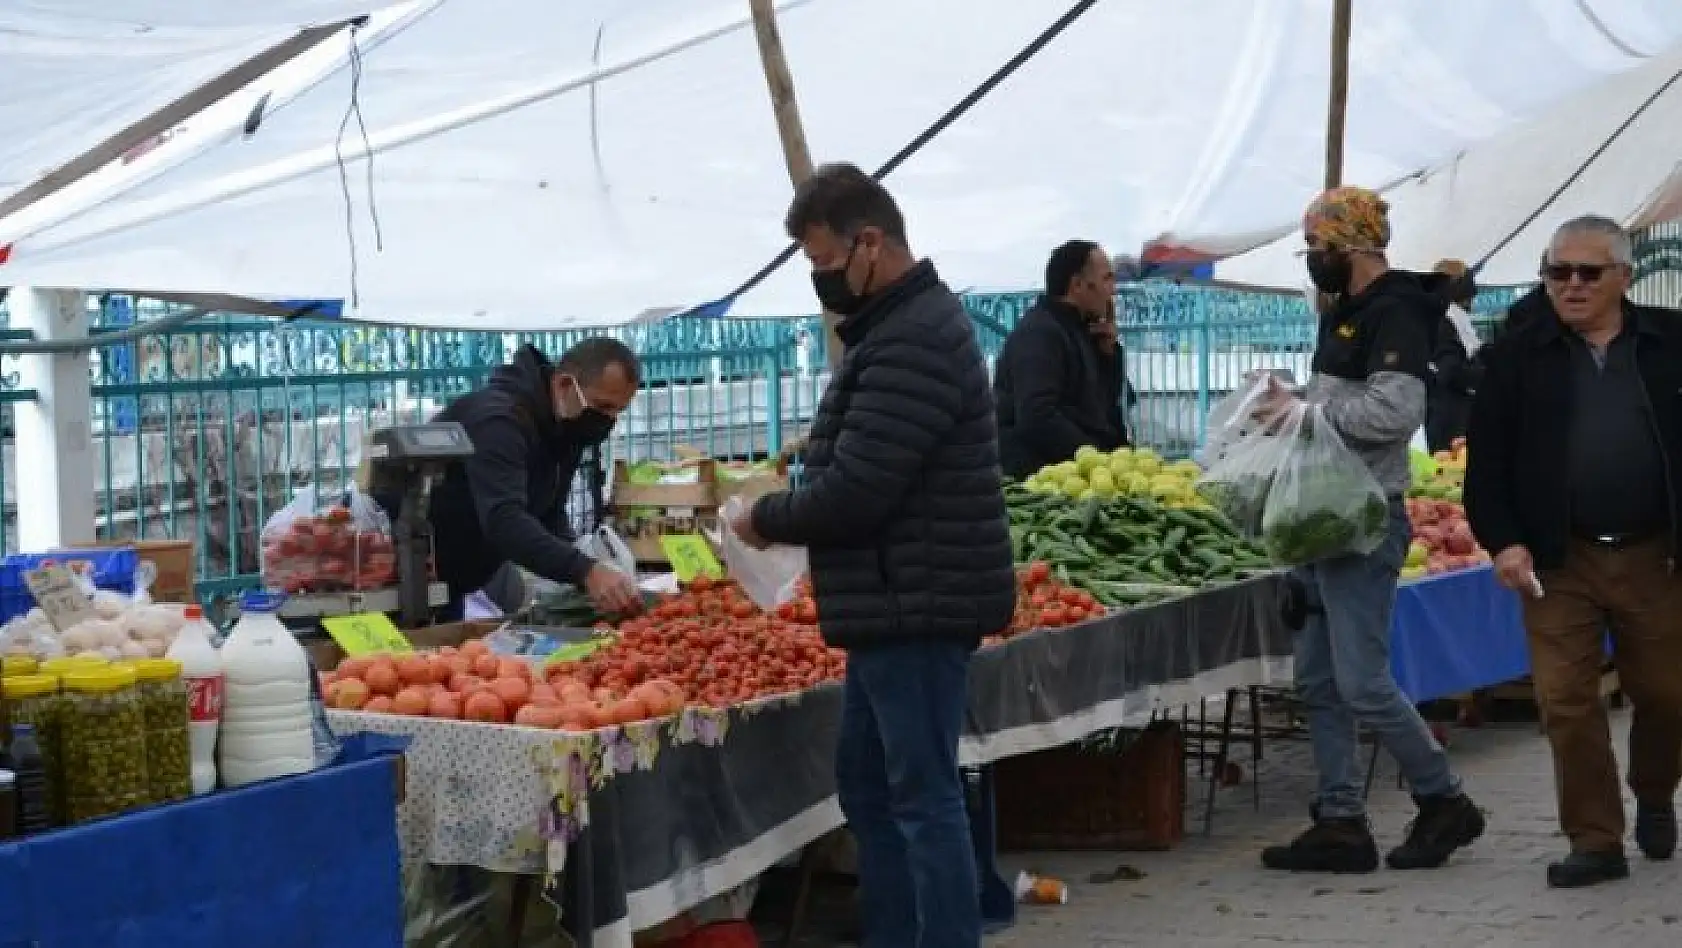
<point x="1060" y="374"/>
<point x="506" y="503"/>
<point x="903" y="513"/>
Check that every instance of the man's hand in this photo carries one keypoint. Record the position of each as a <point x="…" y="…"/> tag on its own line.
<point x="742" y="526"/>
<point x="1515" y="569"/>
<point x="1104" y="331"/>
<point x="612" y="592"/>
<point x="1275" y="404"/>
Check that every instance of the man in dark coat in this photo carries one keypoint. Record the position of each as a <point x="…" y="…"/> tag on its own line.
<point x="902" y="511"/>
<point x="1060" y="375"/>
<point x="1455" y="366"/>
<point x="530" y="425"/>
<point x="1575" y="453"/>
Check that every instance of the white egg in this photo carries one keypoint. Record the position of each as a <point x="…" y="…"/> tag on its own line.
<point x="133" y="650"/>
<point x="109" y="605"/>
<point x="89" y="654"/>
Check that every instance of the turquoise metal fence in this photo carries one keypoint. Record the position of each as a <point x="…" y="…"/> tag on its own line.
<point x="204" y="431"/>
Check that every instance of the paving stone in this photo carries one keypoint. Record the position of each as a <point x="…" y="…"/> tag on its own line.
<point x="1212" y="893"/>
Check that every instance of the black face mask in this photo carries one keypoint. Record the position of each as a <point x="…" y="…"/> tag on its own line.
<point x="590" y="427"/>
<point x="1330" y="270"/>
<point x="832" y="289"/>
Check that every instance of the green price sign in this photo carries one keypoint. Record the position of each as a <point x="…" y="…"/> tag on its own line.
<point x="691" y="556"/>
<point x="366" y="633"/>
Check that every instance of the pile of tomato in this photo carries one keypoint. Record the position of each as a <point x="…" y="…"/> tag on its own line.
<point x="716" y="646"/>
<point x="1044" y="603"/>
<point x="327" y="553"/>
<point x="706" y="645"/>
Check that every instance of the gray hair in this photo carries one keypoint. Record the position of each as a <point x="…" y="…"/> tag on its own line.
<point x="1618" y="239"/>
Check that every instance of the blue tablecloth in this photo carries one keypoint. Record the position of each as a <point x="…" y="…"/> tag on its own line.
<point x="300" y="862"/>
<point x="1456" y="632"/>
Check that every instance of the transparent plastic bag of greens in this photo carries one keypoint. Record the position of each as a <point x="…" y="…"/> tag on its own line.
<point x="1323" y="501"/>
<point x="1241" y="456"/>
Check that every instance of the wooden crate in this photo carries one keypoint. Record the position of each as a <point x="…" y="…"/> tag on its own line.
<point x="1067" y="798"/>
<point x="675" y="509"/>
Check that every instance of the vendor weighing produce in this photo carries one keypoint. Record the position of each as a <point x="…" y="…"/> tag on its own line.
<point x="530" y="426"/>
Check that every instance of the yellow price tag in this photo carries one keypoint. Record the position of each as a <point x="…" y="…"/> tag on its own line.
<point x="691" y="555"/>
<point x="366" y="633"/>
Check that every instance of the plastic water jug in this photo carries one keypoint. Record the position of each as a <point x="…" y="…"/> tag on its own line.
<point x="201" y="669"/>
<point x="266" y="723"/>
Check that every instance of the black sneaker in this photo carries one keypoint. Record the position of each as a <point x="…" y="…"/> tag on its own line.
<point x="1444" y="824"/>
<point x="1584" y="869"/>
<point x="1655" y="830"/>
<point x="1333" y="845"/>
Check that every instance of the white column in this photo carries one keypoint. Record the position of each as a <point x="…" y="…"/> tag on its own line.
<point x="55" y="456"/>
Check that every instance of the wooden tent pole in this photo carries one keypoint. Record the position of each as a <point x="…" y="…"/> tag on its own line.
<point x="796" y="154"/>
<point x="1338" y="105"/>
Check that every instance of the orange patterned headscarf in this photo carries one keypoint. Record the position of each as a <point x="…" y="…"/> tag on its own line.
<point x="1348" y="219"/>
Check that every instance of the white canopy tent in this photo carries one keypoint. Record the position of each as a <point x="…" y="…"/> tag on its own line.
<point x="1613" y="150"/>
<point x="539" y="165"/>
<point x="71" y="80"/>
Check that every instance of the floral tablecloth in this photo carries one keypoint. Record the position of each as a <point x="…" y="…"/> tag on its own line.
<point x="648" y="819"/>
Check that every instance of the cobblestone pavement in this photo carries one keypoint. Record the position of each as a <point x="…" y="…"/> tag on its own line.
<point x="1212" y="893"/>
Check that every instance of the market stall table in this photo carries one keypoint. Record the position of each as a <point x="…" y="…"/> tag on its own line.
<point x="636" y="823"/>
<point x="1456" y="632"/>
<point x="308" y="860"/>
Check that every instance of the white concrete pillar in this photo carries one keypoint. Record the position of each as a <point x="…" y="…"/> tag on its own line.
<point x="55" y="457"/>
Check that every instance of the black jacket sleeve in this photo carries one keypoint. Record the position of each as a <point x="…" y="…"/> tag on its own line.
<point x="496" y="475"/>
<point x="905" y="402"/>
<point x="1112" y="375"/>
<point x="1490" y="460"/>
<point x="1038" y="368"/>
<point x="1455" y="370"/>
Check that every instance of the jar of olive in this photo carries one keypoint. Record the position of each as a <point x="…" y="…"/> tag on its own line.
<point x="163" y="703"/>
<point x="104" y="740"/>
<point x="35" y="699"/>
<point x="59" y="667"/>
<point x="14" y="665"/>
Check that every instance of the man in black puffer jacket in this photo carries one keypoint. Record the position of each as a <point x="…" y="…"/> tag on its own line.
<point x="904" y="516"/>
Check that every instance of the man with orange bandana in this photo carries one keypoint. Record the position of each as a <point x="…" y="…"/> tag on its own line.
<point x="1371" y="366"/>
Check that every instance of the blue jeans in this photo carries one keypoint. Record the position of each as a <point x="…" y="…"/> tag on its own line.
<point x="1343" y="676"/>
<point x="896" y="773"/>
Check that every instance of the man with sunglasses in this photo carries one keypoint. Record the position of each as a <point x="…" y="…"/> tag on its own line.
<point x="1371" y="367"/>
<point x="1574" y="454"/>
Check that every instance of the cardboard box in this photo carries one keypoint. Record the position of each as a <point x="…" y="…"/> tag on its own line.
<point x="174" y="560"/>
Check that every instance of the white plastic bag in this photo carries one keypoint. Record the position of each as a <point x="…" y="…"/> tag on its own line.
<point x="605" y="546"/>
<point x="768" y="576"/>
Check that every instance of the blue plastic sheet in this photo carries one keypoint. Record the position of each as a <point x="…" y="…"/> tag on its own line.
<point x="1456" y="632"/>
<point x="300" y="862"/>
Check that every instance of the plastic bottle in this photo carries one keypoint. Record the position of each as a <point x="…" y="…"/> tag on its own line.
<point x="266" y="730"/>
<point x="201" y="669"/>
<point x="8" y="805"/>
<point x="31" y="770"/>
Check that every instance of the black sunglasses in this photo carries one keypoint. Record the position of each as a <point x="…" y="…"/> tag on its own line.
<point x="1562" y="272"/>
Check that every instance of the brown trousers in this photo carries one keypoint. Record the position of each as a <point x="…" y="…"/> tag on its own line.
<point x="1633" y="593"/>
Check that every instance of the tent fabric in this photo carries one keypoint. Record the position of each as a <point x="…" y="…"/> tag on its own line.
<point x="71" y="80"/>
<point x="1467" y="208"/>
<point x="540" y="165"/>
